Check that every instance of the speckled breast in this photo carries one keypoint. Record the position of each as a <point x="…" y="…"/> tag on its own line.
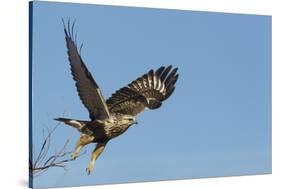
<point x="114" y="130"/>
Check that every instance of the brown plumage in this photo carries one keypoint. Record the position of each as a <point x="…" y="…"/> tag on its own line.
<point x="146" y="91"/>
<point x="114" y="116"/>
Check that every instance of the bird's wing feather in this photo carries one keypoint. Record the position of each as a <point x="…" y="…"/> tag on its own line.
<point x="146" y="91"/>
<point x="87" y="88"/>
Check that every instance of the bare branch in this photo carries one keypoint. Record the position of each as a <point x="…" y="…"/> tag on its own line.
<point x="42" y="162"/>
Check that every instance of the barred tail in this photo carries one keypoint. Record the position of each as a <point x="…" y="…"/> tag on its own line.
<point x="72" y="122"/>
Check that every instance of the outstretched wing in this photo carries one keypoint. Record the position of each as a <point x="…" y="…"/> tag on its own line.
<point x="87" y="88"/>
<point x="149" y="91"/>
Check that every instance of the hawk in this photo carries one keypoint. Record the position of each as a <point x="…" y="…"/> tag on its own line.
<point x="112" y="117"/>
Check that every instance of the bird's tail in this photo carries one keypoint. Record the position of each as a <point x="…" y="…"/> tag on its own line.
<point x="78" y="124"/>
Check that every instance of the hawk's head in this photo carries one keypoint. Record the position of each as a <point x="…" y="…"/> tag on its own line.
<point x="127" y="120"/>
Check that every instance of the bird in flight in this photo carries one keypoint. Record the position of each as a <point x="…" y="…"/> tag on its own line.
<point x="112" y="117"/>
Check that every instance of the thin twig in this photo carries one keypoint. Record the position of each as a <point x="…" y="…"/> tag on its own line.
<point x="41" y="163"/>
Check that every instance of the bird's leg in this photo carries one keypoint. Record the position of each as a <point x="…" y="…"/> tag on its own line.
<point x="83" y="141"/>
<point x="95" y="154"/>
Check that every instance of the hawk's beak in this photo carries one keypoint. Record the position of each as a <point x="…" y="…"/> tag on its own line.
<point x="136" y="122"/>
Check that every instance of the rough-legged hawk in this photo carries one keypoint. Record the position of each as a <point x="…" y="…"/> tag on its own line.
<point x="114" y="116"/>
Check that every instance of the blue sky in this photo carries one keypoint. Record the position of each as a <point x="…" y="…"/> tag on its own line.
<point x="217" y="122"/>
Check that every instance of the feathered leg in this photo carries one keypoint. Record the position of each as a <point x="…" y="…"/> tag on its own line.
<point x="83" y="141"/>
<point x="95" y="154"/>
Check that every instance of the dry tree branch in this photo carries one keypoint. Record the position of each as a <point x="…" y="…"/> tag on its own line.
<point x="42" y="162"/>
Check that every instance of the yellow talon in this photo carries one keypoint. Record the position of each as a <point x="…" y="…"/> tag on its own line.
<point x="90" y="169"/>
<point x="74" y="155"/>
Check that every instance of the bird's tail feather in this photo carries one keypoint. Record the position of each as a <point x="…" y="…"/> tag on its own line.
<point x="78" y="124"/>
